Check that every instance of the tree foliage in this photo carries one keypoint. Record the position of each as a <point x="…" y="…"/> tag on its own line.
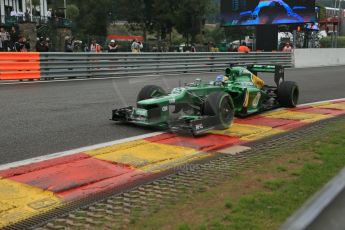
<point x="72" y="12"/>
<point x="34" y="2"/>
<point x="93" y="16"/>
<point x="161" y="16"/>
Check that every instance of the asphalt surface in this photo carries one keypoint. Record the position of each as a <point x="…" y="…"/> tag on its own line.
<point x="43" y="118"/>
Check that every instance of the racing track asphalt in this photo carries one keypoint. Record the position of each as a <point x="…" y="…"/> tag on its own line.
<point x="43" y="118"/>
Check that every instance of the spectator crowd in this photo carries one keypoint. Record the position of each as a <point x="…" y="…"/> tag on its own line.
<point x="12" y="41"/>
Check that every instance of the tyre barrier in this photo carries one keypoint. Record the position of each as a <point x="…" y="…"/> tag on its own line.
<point x="48" y="66"/>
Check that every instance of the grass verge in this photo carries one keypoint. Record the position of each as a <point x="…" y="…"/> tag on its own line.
<point x="263" y="196"/>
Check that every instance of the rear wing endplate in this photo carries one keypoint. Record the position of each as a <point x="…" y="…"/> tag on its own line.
<point x="278" y="71"/>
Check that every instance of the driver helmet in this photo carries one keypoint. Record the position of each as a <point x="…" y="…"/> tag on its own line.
<point x="222" y="78"/>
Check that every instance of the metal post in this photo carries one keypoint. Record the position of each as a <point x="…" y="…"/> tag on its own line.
<point x="339" y="18"/>
<point x="2" y="10"/>
<point x="65" y="6"/>
<point x="24" y="6"/>
<point x="31" y="10"/>
<point x="336" y="39"/>
<point x="45" y="9"/>
<point x="294" y="39"/>
<point x="41" y="11"/>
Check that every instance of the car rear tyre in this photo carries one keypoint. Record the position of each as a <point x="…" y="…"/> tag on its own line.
<point x="220" y="105"/>
<point x="288" y="94"/>
<point x="150" y="91"/>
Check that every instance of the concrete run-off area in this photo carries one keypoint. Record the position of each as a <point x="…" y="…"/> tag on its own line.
<point x="34" y="189"/>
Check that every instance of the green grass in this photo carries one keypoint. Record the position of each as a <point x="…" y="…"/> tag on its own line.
<point x="228" y="204"/>
<point x="281" y="169"/>
<point x="257" y="198"/>
<point x="274" y="184"/>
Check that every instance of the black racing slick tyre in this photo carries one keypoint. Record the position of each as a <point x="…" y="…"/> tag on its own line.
<point x="288" y="94"/>
<point x="220" y="105"/>
<point x="150" y="91"/>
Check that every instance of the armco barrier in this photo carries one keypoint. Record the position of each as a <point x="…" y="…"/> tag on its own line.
<point x="326" y="210"/>
<point x="19" y="66"/>
<point x="91" y="65"/>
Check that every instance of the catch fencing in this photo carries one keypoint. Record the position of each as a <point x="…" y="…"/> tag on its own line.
<point x="92" y="65"/>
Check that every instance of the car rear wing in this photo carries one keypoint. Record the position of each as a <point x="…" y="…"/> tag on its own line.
<point x="278" y="71"/>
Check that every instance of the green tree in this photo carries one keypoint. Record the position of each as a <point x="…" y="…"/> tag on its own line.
<point x="165" y="12"/>
<point x="34" y="2"/>
<point x="140" y="14"/>
<point x="72" y="12"/>
<point x="93" y="16"/>
<point x="161" y="16"/>
<point x="190" y="17"/>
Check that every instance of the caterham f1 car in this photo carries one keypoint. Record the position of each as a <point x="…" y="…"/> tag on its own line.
<point x="199" y="107"/>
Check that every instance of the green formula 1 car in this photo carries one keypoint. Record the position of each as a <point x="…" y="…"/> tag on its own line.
<point x="199" y="107"/>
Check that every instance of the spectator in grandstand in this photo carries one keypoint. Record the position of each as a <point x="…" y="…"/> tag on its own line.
<point x="154" y="49"/>
<point x="22" y="45"/>
<point x="14" y="37"/>
<point x="5" y="39"/>
<point x="77" y="45"/>
<point x="141" y="46"/>
<point x="49" y="14"/>
<point x="113" y="46"/>
<point x="49" y="44"/>
<point x="95" y="47"/>
<point x="35" y="12"/>
<point x="27" y="16"/>
<point x="287" y="48"/>
<point x="42" y="45"/>
<point x="26" y="42"/>
<point x="13" y="13"/>
<point x="20" y="16"/>
<point x="193" y="48"/>
<point x="243" y="48"/>
<point x="68" y="44"/>
<point x="86" y="48"/>
<point x="136" y="46"/>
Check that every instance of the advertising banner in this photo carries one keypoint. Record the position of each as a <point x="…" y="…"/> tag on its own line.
<point x="267" y="12"/>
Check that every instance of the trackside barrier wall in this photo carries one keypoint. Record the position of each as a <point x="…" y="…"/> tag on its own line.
<point x="19" y="66"/>
<point x="326" y="210"/>
<point x="319" y="57"/>
<point x="91" y="65"/>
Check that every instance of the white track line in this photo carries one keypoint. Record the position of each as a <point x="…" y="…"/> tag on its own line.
<point x="101" y="78"/>
<point x="74" y="151"/>
<point x="313" y="103"/>
<point x="102" y="145"/>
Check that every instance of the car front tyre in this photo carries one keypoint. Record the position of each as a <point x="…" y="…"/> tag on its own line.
<point x="150" y="91"/>
<point x="220" y="105"/>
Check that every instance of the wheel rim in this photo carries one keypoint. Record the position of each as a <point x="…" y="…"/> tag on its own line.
<point x="226" y="114"/>
<point x="156" y="93"/>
